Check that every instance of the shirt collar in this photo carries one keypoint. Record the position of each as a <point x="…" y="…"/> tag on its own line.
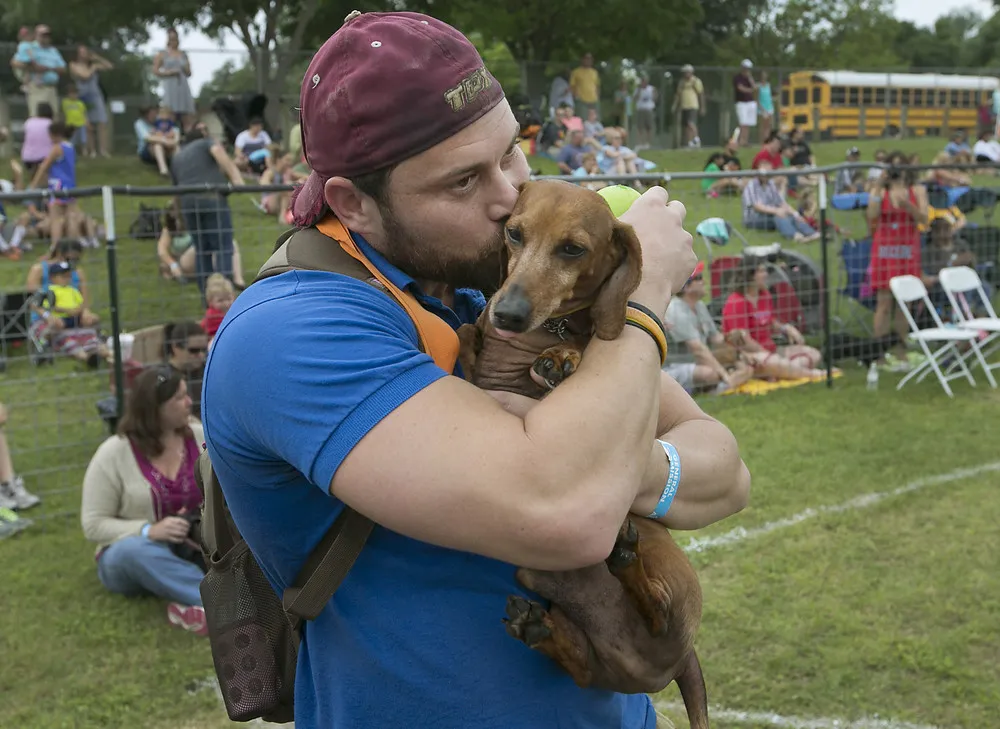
<point x="396" y="277"/>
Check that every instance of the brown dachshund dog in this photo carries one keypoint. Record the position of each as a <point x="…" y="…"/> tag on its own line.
<point x="628" y="624"/>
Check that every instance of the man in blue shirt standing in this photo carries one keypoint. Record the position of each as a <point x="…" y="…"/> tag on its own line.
<point x="316" y="395"/>
<point x="44" y="66"/>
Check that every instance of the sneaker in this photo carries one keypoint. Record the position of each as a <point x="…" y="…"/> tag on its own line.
<point x="11" y="523"/>
<point x="7" y="500"/>
<point x="188" y="617"/>
<point x="22" y="497"/>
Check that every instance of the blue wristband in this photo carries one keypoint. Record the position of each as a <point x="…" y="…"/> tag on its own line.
<point x="673" y="481"/>
<point x="144" y="532"/>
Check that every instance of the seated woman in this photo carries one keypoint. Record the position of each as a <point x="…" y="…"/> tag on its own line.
<point x="139" y="496"/>
<point x="942" y="175"/>
<point x="58" y="320"/>
<point x="944" y="249"/>
<point x="749" y="323"/>
<point x="66" y="251"/>
<point x="153" y="147"/>
<point x="718" y="162"/>
<point x="175" y="249"/>
<point x="765" y="208"/>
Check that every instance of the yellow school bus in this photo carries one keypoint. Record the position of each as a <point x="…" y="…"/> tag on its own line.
<point x="849" y="104"/>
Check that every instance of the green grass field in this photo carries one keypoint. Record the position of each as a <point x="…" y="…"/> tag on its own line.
<point x="887" y="609"/>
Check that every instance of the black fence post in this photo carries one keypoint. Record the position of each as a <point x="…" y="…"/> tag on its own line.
<point x="108" y="197"/>
<point x="824" y="249"/>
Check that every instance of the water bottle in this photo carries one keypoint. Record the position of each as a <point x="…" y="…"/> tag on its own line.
<point x="871" y="382"/>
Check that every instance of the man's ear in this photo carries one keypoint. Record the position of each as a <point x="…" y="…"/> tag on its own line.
<point x="356" y="210"/>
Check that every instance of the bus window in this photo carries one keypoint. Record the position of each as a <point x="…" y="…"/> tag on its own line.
<point x="801" y="96"/>
<point x="880" y="97"/>
<point x="852" y="97"/>
<point x="838" y="96"/>
<point x="893" y="97"/>
<point x="866" y="97"/>
<point x="817" y="95"/>
<point x="967" y="100"/>
<point x="918" y="97"/>
<point x="905" y="96"/>
<point x="942" y="98"/>
<point x="954" y="98"/>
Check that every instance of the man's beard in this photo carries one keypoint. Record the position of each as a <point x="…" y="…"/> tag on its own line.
<point x="414" y="256"/>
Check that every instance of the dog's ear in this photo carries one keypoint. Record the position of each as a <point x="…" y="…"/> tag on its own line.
<point x="608" y="311"/>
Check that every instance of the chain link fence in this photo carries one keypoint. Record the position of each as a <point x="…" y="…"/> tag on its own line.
<point x="801" y="236"/>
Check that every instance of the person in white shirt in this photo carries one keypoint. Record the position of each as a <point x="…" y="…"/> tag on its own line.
<point x="252" y="147"/>
<point x="986" y="148"/>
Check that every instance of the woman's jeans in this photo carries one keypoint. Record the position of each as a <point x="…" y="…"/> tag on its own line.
<point x="210" y="223"/>
<point x="136" y="566"/>
<point x="788" y="226"/>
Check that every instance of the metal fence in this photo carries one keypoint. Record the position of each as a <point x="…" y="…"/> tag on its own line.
<point x="814" y="263"/>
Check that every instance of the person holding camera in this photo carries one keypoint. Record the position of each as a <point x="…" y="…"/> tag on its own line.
<point x="141" y="502"/>
<point x="897" y="207"/>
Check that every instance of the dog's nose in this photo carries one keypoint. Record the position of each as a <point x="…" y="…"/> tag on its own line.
<point x="512" y="311"/>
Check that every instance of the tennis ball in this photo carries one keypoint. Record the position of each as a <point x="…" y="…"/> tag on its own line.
<point x="619" y="197"/>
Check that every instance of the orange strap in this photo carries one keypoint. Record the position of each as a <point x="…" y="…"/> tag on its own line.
<point x="439" y="340"/>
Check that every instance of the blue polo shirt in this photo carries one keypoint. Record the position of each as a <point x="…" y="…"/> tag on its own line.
<point x="303" y="366"/>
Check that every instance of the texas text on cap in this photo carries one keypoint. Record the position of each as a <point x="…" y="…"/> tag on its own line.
<point x="383" y="88"/>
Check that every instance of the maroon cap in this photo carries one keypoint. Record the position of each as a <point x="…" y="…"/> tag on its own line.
<point x="383" y="88"/>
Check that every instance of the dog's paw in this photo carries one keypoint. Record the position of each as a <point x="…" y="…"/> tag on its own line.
<point x="526" y="621"/>
<point x="626" y="549"/>
<point x="555" y="364"/>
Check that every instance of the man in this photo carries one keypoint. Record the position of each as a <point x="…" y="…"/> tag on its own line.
<point x="959" y="143"/>
<point x="692" y="359"/>
<point x="43" y="65"/>
<point x="745" y="93"/>
<point x="585" y="84"/>
<point x="251" y="147"/>
<point x="570" y="155"/>
<point x="690" y="100"/>
<point x="202" y="160"/>
<point x="316" y="395"/>
<point x="849" y="178"/>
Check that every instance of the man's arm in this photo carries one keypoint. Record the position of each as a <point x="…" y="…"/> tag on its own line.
<point x="703" y="356"/>
<point x="715" y="483"/>
<point x="548" y="491"/>
<point x="226" y="164"/>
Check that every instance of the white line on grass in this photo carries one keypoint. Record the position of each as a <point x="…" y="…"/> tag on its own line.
<point x="741" y="534"/>
<point x="768" y="718"/>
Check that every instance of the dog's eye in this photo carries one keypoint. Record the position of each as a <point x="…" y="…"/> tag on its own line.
<point x="514" y="235"/>
<point x="571" y="250"/>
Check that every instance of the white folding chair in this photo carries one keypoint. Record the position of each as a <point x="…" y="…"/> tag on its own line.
<point x="962" y="285"/>
<point x="907" y="290"/>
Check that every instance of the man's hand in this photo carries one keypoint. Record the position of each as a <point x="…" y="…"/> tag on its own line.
<point x="667" y="256"/>
<point x="793" y="334"/>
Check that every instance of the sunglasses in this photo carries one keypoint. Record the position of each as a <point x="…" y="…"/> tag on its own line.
<point x="197" y="350"/>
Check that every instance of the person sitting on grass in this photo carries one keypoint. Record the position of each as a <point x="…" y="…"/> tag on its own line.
<point x="66" y="251"/>
<point x="176" y="252"/>
<point x="140" y="496"/>
<point x="13" y="494"/>
<point x="697" y="344"/>
<point x="280" y="171"/>
<point x="219" y="295"/>
<point x="765" y="208"/>
<point x="749" y="323"/>
<point x="718" y="162"/>
<point x="589" y="167"/>
<point x="58" y="320"/>
<point x="153" y="147"/>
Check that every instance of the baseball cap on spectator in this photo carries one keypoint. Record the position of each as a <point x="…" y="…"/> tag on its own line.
<point x="686" y="68"/>
<point x="698" y="271"/>
<point x="747" y="63"/>
<point x="853" y="152"/>
<point x="383" y="88"/>
<point x="42" y="30"/>
<point x="60" y="267"/>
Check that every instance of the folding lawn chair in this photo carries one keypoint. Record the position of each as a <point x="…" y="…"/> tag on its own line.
<point x="960" y="284"/>
<point x="909" y="289"/>
<point x="718" y="232"/>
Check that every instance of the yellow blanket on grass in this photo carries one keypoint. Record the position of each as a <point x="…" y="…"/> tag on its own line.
<point x="762" y="387"/>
